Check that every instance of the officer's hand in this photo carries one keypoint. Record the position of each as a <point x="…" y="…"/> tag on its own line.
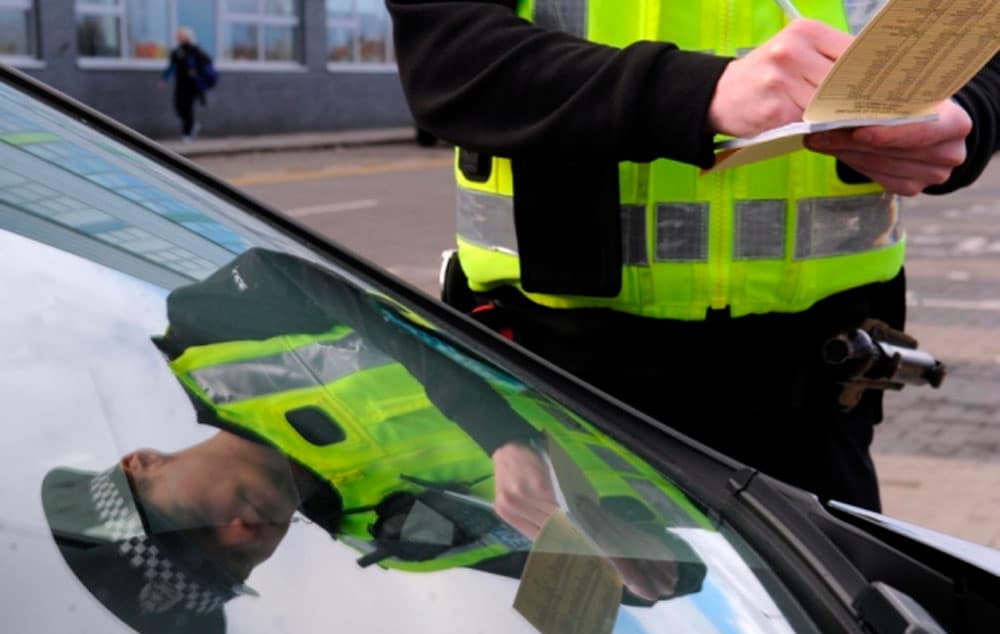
<point x="524" y="495"/>
<point x="772" y="85"/>
<point x="904" y="159"/>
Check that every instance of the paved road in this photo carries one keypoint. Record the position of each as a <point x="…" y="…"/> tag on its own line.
<point x="938" y="451"/>
<point x="393" y="204"/>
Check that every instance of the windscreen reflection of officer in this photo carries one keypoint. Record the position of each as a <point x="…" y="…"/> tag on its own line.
<point x="235" y="497"/>
<point x="361" y="420"/>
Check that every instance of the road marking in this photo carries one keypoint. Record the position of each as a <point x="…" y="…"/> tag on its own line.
<point x="972" y="245"/>
<point x="992" y="305"/>
<point x="272" y="178"/>
<point x="332" y="208"/>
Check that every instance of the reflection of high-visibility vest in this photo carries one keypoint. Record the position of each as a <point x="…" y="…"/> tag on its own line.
<point x="775" y="236"/>
<point x="359" y="421"/>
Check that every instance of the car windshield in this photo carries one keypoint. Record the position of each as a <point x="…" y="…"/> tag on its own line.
<point x="213" y="426"/>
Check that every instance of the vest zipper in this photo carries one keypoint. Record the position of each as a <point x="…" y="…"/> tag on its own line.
<point x="719" y="209"/>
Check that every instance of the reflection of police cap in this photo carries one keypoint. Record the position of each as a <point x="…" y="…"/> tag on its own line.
<point x="148" y="575"/>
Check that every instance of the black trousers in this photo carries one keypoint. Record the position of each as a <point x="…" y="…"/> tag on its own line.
<point x="184" y="107"/>
<point x="755" y="388"/>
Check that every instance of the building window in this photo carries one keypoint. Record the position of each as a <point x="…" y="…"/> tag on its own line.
<point x="358" y="32"/>
<point x="129" y="29"/>
<point x="201" y="17"/>
<point x="232" y="30"/>
<point x="17" y="29"/>
<point x="261" y="30"/>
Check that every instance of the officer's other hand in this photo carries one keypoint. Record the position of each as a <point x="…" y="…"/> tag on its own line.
<point x="524" y="495"/>
<point x="772" y="85"/>
<point x="652" y="576"/>
<point x="904" y="159"/>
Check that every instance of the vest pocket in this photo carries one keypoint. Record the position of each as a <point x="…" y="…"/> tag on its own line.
<point x="315" y="426"/>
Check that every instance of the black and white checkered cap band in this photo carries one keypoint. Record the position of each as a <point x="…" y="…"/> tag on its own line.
<point x="166" y="586"/>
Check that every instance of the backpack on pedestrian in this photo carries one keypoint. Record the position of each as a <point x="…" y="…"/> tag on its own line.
<point x="205" y="77"/>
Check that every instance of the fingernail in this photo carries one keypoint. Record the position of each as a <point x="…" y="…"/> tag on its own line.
<point x="864" y="136"/>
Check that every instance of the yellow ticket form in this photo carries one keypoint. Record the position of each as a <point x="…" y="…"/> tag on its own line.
<point x="568" y="585"/>
<point x="913" y="55"/>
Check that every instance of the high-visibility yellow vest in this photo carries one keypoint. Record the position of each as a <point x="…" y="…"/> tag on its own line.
<point x="775" y="236"/>
<point x="383" y="436"/>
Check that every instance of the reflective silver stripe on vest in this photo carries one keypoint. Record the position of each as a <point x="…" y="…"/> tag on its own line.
<point x="760" y="229"/>
<point x="839" y="226"/>
<point x="309" y="366"/>
<point x="568" y="16"/>
<point x="634" y="242"/>
<point x="681" y="232"/>
<point x="860" y="12"/>
<point x="487" y="220"/>
<point x="825" y="227"/>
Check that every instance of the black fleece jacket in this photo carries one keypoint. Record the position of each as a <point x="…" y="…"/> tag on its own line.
<point x="479" y="76"/>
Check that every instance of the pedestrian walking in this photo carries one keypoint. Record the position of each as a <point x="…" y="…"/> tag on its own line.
<point x="193" y="73"/>
<point x="586" y="229"/>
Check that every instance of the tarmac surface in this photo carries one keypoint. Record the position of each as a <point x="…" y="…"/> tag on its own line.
<point x="938" y="451"/>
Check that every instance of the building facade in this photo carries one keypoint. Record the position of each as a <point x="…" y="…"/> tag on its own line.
<point x="284" y="65"/>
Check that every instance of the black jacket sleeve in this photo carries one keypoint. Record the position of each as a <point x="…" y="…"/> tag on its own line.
<point x="264" y="294"/>
<point x="479" y="76"/>
<point x="981" y="99"/>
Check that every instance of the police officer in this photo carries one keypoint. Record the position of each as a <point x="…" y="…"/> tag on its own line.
<point x="585" y="228"/>
<point x="132" y="558"/>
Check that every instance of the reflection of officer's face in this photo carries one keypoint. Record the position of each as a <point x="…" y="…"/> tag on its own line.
<point x="234" y="497"/>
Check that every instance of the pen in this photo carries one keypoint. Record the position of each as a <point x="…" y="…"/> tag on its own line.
<point x="789" y="9"/>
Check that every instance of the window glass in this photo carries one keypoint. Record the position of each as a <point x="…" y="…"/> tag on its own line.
<point x="211" y="400"/>
<point x="200" y="16"/>
<point x="148" y="28"/>
<point x="242" y="6"/>
<point x="358" y="31"/>
<point x="242" y="42"/>
<point x="280" y="43"/>
<point x="136" y="29"/>
<point x="266" y="31"/>
<point x="280" y="7"/>
<point x="17" y="31"/>
<point x="375" y="31"/>
<point x="341" y="42"/>
<point x="251" y="30"/>
<point x="370" y="7"/>
<point x="340" y="8"/>
<point x="99" y="35"/>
